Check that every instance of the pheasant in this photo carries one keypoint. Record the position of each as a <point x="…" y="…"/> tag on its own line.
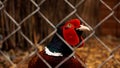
<point x="56" y="50"/>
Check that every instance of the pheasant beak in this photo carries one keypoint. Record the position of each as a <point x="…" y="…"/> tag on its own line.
<point x="83" y="28"/>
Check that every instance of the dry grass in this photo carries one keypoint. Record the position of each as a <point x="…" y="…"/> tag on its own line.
<point x="93" y="53"/>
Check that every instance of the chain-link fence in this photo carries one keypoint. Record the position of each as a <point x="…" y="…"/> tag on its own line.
<point x="18" y="28"/>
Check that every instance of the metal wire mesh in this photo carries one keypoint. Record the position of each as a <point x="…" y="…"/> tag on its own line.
<point x="74" y="12"/>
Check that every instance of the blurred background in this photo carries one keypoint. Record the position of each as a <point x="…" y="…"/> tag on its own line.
<point x="26" y="23"/>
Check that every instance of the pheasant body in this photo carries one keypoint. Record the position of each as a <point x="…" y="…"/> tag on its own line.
<point x="56" y="51"/>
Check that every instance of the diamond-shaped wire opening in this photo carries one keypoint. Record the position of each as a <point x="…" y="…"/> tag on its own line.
<point x="88" y="10"/>
<point x="110" y="32"/>
<point x="111" y="55"/>
<point x="19" y="50"/>
<point x="103" y="15"/>
<point x="36" y="28"/>
<point x="93" y="53"/>
<point x="41" y="34"/>
<point x="65" y="59"/>
<point x="50" y="61"/>
<point x="66" y="18"/>
<point x="10" y="26"/>
<point x="111" y="4"/>
<point x="71" y="55"/>
<point x="56" y="16"/>
<point x="47" y="61"/>
<point x="19" y="11"/>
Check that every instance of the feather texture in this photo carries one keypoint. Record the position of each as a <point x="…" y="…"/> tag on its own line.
<point x="36" y="62"/>
<point x="56" y="51"/>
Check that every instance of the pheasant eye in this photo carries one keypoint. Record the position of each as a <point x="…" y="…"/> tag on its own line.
<point x="69" y="25"/>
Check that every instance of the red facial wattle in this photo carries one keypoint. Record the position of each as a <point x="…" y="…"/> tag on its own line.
<point x="69" y="32"/>
<point x="70" y="36"/>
